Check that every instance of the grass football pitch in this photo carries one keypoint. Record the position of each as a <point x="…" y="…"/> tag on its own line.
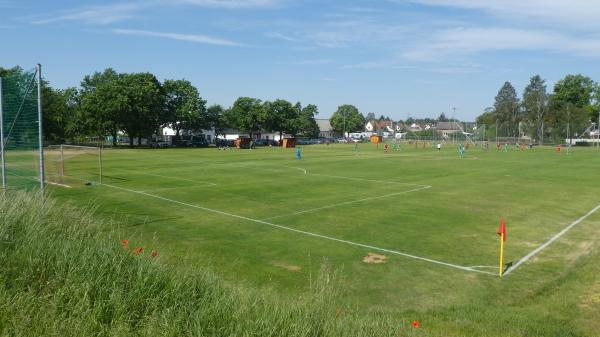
<point x="264" y="218"/>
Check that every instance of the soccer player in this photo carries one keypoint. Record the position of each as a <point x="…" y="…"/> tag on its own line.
<point x="439" y="146"/>
<point x="298" y="153"/>
<point x="461" y="150"/>
<point x="385" y="148"/>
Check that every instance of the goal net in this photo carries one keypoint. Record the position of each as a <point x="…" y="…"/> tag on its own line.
<point x="73" y="165"/>
<point x="20" y="152"/>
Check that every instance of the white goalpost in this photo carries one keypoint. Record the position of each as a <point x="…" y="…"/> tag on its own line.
<point x="65" y="163"/>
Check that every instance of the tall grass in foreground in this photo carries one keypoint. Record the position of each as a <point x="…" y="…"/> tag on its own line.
<point x="60" y="275"/>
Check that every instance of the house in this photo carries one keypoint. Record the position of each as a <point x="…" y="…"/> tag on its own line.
<point x="447" y="128"/>
<point x="325" y="129"/>
<point x="377" y="125"/>
<point x="414" y="127"/>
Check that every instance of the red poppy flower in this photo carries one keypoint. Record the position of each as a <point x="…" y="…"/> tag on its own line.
<point x="124" y="243"/>
<point x="416" y="324"/>
<point x="138" y="250"/>
<point x="154" y="254"/>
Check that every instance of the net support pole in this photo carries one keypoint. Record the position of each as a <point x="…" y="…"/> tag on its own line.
<point x="100" y="162"/>
<point x="40" y="128"/>
<point x="62" y="160"/>
<point x="2" y="153"/>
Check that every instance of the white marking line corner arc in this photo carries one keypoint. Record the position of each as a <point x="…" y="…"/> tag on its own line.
<point x="303" y="232"/>
<point x="552" y="239"/>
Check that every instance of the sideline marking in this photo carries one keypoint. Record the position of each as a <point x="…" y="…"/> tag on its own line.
<point x="175" y="178"/>
<point x="303" y="232"/>
<point x="347" y="203"/>
<point x="552" y="239"/>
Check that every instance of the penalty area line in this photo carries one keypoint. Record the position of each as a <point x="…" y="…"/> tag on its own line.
<point x="552" y="239"/>
<point x="442" y="263"/>
<point x="347" y="203"/>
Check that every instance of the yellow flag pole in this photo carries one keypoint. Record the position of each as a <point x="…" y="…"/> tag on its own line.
<point x="501" y="269"/>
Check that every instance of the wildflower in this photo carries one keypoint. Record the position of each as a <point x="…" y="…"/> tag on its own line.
<point x="416" y="324"/>
<point x="138" y="250"/>
<point x="338" y="312"/>
<point x="124" y="243"/>
<point x="154" y="254"/>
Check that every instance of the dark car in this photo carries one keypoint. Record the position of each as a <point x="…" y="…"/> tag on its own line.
<point x="198" y="142"/>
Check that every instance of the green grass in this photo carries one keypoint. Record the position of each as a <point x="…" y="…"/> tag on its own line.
<point x="538" y="192"/>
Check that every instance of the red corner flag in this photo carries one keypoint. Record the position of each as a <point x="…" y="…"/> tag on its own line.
<point x="502" y="229"/>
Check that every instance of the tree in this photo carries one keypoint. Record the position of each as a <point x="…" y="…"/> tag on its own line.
<point x="535" y="105"/>
<point x="247" y="114"/>
<point x="307" y="125"/>
<point x="573" y="105"/>
<point x="99" y="102"/>
<point x="370" y="116"/>
<point x="346" y="119"/>
<point x="141" y="105"/>
<point x="507" y="109"/>
<point x="280" y="115"/>
<point x="215" y="115"/>
<point x="60" y="115"/>
<point x="184" y="108"/>
<point x="442" y="118"/>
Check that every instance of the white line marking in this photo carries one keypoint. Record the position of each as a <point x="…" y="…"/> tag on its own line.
<point x="304" y="232"/>
<point x="175" y="178"/>
<point x="37" y="179"/>
<point x="368" y="180"/>
<point x="299" y="168"/>
<point x="347" y="203"/>
<point x="552" y="239"/>
<point x="57" y="184"/>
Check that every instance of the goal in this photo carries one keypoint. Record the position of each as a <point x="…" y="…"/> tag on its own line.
<point x="73" y="165"/>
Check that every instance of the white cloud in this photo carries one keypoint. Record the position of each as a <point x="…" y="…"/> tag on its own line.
<point x="461" y="41"/>
<point x="181" y="37"/>
<point x="280" y="36"/>
<point x="234" y="4"/>
<point x="574" y="13"/>
<point x="312" y="62"/>
<point x="99" y="15"/>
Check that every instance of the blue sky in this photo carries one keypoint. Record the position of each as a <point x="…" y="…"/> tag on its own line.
<point x="393" y="57"/>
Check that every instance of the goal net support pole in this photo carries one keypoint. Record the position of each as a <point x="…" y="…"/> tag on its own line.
<point x="2" y="153"/>
<point x="40" y="128"/>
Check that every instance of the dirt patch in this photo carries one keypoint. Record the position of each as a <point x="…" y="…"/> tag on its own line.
<point x="289" y="267"/>
<point x="375" y="258"/>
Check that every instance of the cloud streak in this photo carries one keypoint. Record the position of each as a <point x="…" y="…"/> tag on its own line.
<point x="196" y="38"/>
<point x="97" y="15"/>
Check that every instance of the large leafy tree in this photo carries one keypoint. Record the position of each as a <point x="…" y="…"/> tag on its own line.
<point x="100" y="103"/>
<point x="60" y="114"/>
<point x="307" y="125"/>
<point x="184" y="108"/>
<point x="572" y="105"/>
<point x="280" y="116"/>
<point x="535" y="105"/>
<point x="346" y="119"/>
<point x="507" y="109"/>
<point x="215" y="116"/>
<point x="141" y="105"/>
<point x="247" y="114"/>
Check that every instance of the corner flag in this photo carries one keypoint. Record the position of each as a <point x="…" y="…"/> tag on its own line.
<point x="502" y="233"/>
<point x="502" y="230"/>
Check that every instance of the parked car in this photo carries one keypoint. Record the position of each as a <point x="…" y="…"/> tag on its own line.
<point x="198" y="142"/>
<point x="342" y="140"/>
<point x="156" y="144"/>
<point x="182" y="143"/>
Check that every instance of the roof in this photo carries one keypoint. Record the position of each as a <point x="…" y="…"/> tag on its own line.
<point x="324" y="125"/>
<point x="447" y="126"/>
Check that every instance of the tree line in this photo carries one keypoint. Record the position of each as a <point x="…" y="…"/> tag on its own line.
<point x="139" y="105"/>
<point x="568" y="110"/>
